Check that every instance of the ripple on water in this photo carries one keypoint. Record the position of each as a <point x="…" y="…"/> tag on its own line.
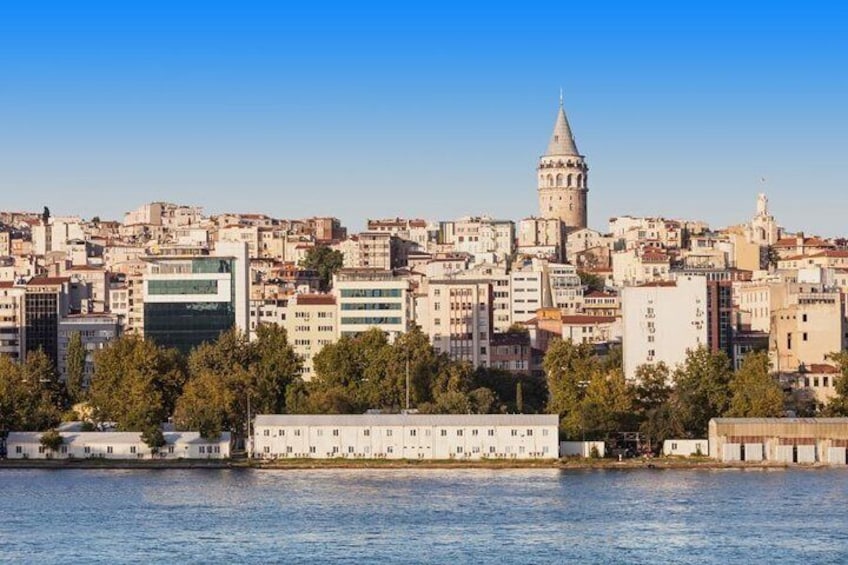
<point x="423" y="516"/>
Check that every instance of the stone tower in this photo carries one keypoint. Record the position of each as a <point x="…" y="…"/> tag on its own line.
<point x="563" y="177"/>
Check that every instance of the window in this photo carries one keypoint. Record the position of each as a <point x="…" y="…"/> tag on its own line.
<point x="474" y="433"/>
<point x="390" y="449"/>
<point x="335" y="433"/>
<point x="366" y="433"/>
<point x="108" y="449"/>
<point x="201" y="449"/>
<point x="288" y="449"/>
<point x="491" y="433"/>
<point x="459" y="449"/>
<point x="281" y="432"/>
<point x="388" y="433"/>
<point x="459" y="433"/>
<point x="311" y="449"/>
<point x="412" y="432"/>
<point x="804" y="336"/>
<point x="132" y="449"/>
<point x="529" y="433"/>
<point x="350" y="449"/>
<point x="266" y="449"/>
<point x="491" y="449"/>
<point x="297" y="433"/>
<point x="335" y="449"/>
<point x="513" y="433"/>
<point x="86" y="449"/>
<point x="266" y="433"/>
<point x="19" y="450"/>
<point x="170" y="449"/>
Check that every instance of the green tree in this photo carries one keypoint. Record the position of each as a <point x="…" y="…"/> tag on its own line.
<point x="592" y="281"/>
<point x="838" y="405"/>
<point x="755" y="393"/>
<point x="655" y="403"/>
<point x="51" y="440"/>
<point x="135" y="383"/>
<point x="569" y="369"/>
<point x="519" y="398"/>
<point x="153" y="437"/>
<point x="207" y="405"/>
<point x="325" y="261"/>
<point x="275" y="366"/>
<point x="26" y="401"/>
<point x="75" y="368"/>
<point x="606" y="407"/>
<point x="702" y="389"/>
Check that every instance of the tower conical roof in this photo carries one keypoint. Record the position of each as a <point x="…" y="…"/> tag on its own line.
<point x="562" y="140"/>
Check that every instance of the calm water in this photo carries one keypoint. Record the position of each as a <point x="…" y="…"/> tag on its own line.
<point x="436" y="516"/>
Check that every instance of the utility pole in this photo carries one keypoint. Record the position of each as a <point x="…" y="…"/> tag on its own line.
<point x="249" y="434"/>
<point x="407" y="378"/>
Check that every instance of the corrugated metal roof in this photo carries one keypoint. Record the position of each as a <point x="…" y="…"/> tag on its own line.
<point x="407" y="420"/>
<point x="780" y="420"/>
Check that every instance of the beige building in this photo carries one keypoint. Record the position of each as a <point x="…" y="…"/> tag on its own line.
<point x="634" y="267"/>
<point x="542" y="237"/>
<point x="5" y="244"/>
<point x="486" y="239"/>
<point x="563" y="177"/>
<point x="780" y="440"/>
<point x="368" y="250"/>
<point x="591" y="329"/>
<point x="310" y="323"/>
<point x="807" y="324"/>
<point x="460" y="319"/>
<point x="12" y="320"/>
<point x="662" y="321"/>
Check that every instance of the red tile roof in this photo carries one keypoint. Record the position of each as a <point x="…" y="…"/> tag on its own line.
<point x="822" y="368"/>
<point x="580" y="319"/>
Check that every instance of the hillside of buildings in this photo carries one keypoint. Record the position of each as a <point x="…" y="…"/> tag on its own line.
<point x="655" y="326"/>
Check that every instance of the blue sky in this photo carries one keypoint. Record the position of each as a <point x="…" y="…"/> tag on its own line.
<point x="432" y="110"/>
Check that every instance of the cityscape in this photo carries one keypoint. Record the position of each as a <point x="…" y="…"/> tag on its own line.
<point x="475" y="315"/>
<point x="429" y="282"/>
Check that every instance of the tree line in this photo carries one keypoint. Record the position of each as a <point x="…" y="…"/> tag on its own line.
<point x="137" y="385"/>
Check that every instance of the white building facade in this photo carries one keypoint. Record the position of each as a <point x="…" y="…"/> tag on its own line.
<point x="407" y="436"/>
<point x="662" y="321"/>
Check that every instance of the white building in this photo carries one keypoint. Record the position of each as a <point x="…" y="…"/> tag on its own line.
<point x="117" y="445"/>
<point x="407" y="436"/>
<point x="12" y="320"/>
<point x="372" y="298"/>
<point x="686" y="447"/>
<point x="527" y="294"/>
<point x="485" y="238"/>
<point x="662" y="320"/>
<point x="566" y="288"/>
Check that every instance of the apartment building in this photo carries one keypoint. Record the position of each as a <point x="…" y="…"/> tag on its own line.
<point x="311" y="323"/>
<point x="372" y="298"/>
<point x="661" y="321"/>
<point x="460" y="319"/>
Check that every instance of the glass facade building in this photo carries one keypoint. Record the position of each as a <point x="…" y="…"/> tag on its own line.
<point x="189" y="300"/>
